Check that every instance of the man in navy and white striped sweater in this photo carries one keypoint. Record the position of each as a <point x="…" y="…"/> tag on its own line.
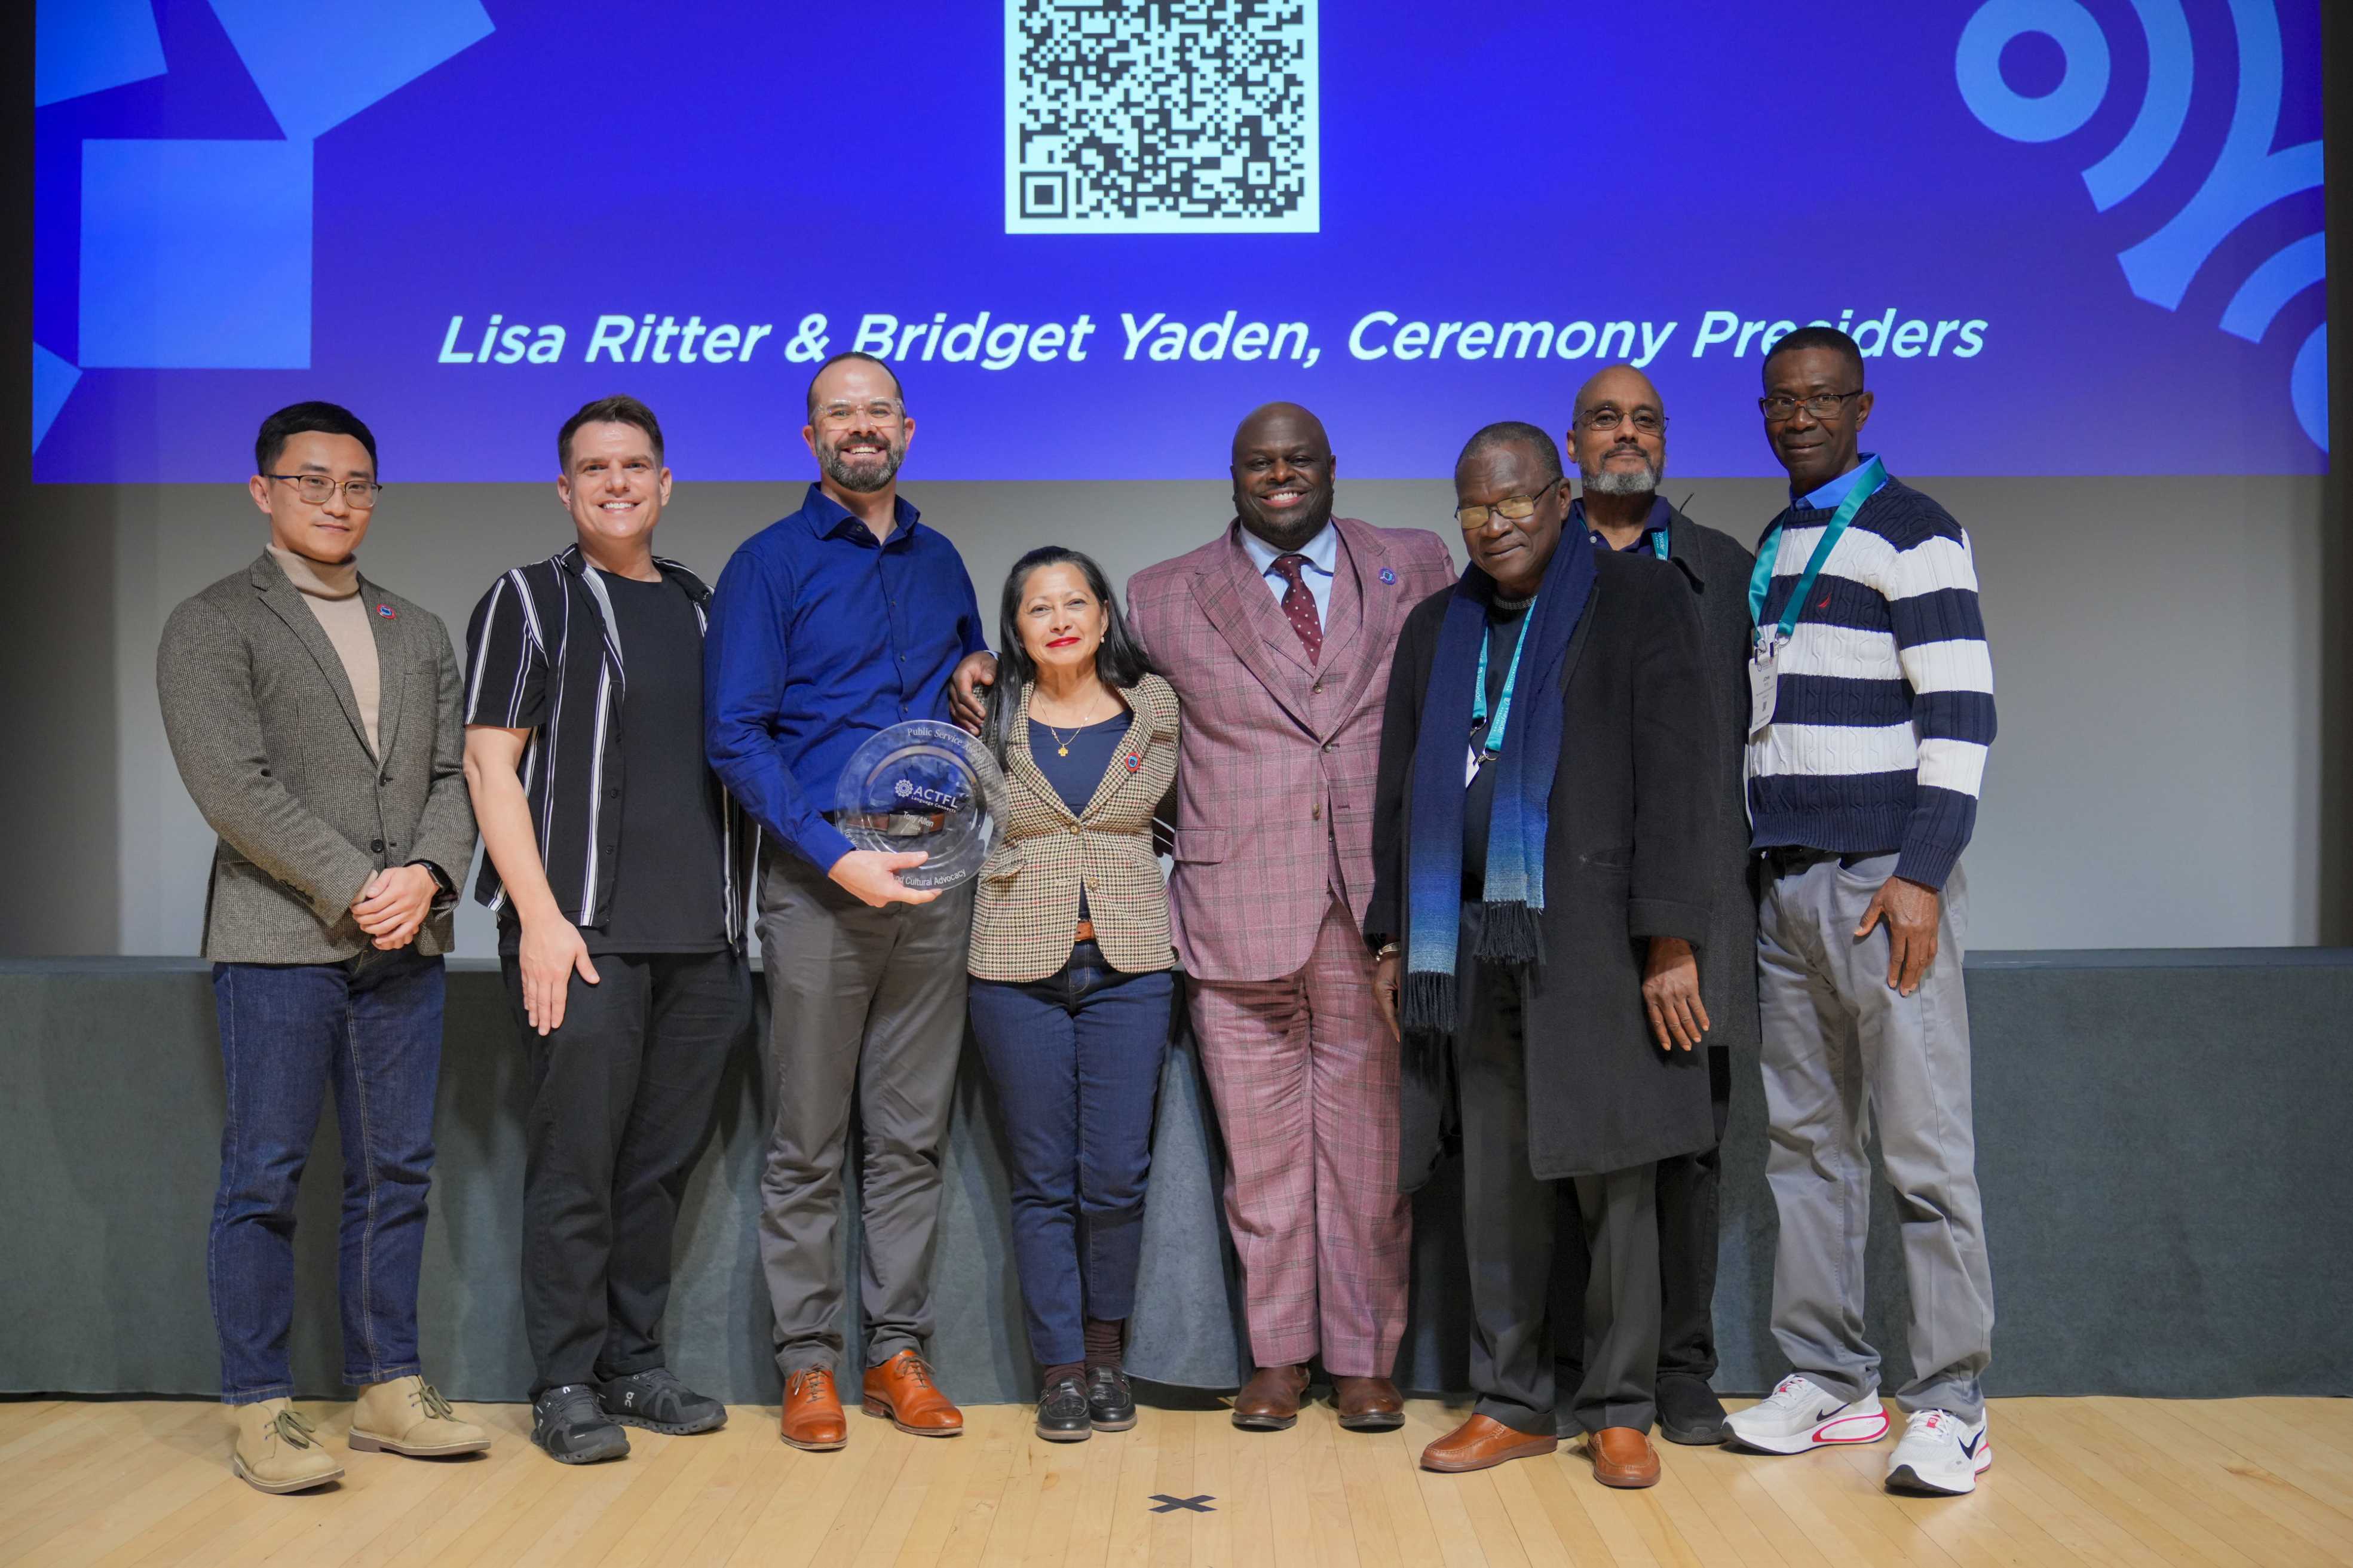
<point x="1872" y="710"/>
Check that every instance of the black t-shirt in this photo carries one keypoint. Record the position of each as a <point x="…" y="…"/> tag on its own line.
<point x="1503" y="622"/>
<point x="669" y="889"/>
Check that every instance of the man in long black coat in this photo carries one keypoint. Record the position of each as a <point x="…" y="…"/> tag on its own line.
<point x="1524" y="1016"/>
<point x="1618" y="440"/>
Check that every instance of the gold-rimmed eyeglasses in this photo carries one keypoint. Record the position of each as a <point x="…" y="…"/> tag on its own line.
<point x="319" y="489"/>
<point x="1511" y="509"/>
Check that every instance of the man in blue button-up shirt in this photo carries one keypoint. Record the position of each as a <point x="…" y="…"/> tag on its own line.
<point x="845" y="618"/>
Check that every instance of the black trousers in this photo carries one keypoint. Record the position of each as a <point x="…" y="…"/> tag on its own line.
<point x="622" y="1098"/>
<point x="1517" y="1230"/>
<point x="1689" y="1186"/>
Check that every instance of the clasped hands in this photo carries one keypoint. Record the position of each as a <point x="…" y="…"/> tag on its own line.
<point x="392" y="907"/>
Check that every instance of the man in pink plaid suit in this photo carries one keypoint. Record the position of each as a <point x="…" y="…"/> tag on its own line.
<point x="1277" y="636"/>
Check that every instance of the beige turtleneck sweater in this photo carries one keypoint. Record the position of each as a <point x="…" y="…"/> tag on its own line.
<point x="333" y="594"/>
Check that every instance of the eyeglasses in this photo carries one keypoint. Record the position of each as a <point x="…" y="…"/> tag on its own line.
<point x="318" y="490"/>
<point x="1649" y="421"/>
<point x="1511" y="509"/>
<point x="1821" y="406"/>
<point x="881" y="411"/>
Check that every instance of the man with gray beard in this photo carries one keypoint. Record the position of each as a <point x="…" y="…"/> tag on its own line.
<point x="1707" y="997"/>
<point x="847" y="617"/>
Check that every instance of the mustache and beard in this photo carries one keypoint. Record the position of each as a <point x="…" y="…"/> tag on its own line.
<point x="1606" y="481"/>
<point x="862" y="472"/>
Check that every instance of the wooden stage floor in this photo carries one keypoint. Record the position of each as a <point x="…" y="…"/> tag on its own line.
<point x="2251" y="1483"/>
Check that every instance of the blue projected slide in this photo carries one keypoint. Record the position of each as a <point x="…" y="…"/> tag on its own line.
<point x="2073" y="238"/>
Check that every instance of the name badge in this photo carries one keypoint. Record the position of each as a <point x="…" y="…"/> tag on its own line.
<point x="1764" y="681"/>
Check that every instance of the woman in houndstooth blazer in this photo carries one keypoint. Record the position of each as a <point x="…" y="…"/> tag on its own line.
<point x="1070" y="964"/>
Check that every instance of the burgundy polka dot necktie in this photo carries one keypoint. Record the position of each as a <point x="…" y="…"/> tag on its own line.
<point x="1299" y="605"/>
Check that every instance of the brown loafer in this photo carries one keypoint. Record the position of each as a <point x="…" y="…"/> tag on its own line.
<point x="1368" y="1403"/>
<point x="1268" y="1402"/>
<point x="1484" y="1441"/>
<point x="1624" y="1456"/>
<point x="812" y="1417"/>
<point x="901" y="1388"/>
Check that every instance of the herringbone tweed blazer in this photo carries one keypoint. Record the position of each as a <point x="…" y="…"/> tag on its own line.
<point x="269" y="742"/>
<point x="1027" y="905"/>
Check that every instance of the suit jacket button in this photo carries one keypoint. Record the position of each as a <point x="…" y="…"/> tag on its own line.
<point x="1317" y="689"/>
<point x="375" y="846"/>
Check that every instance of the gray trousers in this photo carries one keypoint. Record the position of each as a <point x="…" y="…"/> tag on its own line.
<point x="865" y="1006"/>
<point x="1841" y="1047"/>
<point x="1509" y="1236"/>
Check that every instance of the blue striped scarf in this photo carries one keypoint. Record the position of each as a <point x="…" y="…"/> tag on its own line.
<point x="1513" y="891"/>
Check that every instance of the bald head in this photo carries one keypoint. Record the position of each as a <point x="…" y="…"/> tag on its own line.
<point x="1620" y="385"/>
<point x="1282" y="469"/>
<point x="1619" y="438"/>
<point x="1279" y="422"/>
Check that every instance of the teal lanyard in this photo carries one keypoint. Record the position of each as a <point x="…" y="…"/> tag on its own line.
<point x="1658" y="542"/>
<point x="1493" y="745"/>
<point x="1760" y="579"/>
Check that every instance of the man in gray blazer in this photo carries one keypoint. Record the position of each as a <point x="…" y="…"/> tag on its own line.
<point x="314" y="720"/>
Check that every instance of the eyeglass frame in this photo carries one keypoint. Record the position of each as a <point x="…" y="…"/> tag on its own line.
<point x="1836" y="399"/>
<point x="1498" y="510"/>
<point x="373" y="490"/>
<point x="1619" y="418"/>
<point x="824" y="418"/>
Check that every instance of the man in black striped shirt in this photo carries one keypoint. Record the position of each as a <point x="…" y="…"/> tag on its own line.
<point x="616" y="865"/>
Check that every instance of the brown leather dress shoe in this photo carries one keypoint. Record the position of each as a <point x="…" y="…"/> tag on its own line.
<point x="1624" y="1456"/>
<point x="812" y="1417"/>
<point x="901" y="1388"/>
<point x="1268" y="1402"/>
<point x="1368" y="1403"/>
<point x="1484" y="1441"/>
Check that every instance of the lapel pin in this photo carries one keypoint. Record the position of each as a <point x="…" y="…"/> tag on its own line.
<point x="1133" y="761"/>
<point x="1389" y="575"/>
<point x="385" y="611"/>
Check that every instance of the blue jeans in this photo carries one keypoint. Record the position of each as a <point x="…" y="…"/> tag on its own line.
<point x="373" y="1026"/>
<point x="1076" y="1060"/>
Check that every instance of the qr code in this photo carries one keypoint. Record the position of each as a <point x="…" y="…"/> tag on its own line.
<point x="1160" y="117"/>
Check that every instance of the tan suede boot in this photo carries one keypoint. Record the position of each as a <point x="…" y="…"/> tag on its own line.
<point x="277" y="1450"/>
<point x="408" y="1416"/>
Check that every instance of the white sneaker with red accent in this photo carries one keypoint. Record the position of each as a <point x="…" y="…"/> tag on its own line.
<point x="1940" y="1453"/>
<point x="1801" y="1414"/>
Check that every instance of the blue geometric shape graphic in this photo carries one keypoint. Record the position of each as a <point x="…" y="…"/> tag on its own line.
<point x="1977" y="65"/>
<point x="2307" y="386"/>
<point x="318" y="62"/>
<point x="195" y="255"/>
<point x="2159" y="125"/>
<point x="2270" y="287"/>
<point x="87" y="46"/>
<point x="53" y="378"/>
<point x="2247" y="177"/>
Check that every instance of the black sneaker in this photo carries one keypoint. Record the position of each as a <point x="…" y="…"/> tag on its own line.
<point x="657" y="1401"/>
<point x="566" y="1422"/>
<point x="1062" y="1413"/>
<point x="1109" y="1403"/>
<point x="1689" y="1411"/>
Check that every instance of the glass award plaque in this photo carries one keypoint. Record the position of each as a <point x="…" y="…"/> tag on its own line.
<point x="924" y="787"/>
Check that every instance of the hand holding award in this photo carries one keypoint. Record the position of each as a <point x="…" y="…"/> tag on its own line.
<point x="929" y="788"/>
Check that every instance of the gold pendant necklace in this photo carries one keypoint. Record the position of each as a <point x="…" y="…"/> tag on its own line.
<point x="1062" y="742"/>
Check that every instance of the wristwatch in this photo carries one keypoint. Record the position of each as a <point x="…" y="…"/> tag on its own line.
<point x="440" y="877"/>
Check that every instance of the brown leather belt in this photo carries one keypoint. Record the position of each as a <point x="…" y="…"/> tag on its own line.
<point x="1086" y="932"/>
